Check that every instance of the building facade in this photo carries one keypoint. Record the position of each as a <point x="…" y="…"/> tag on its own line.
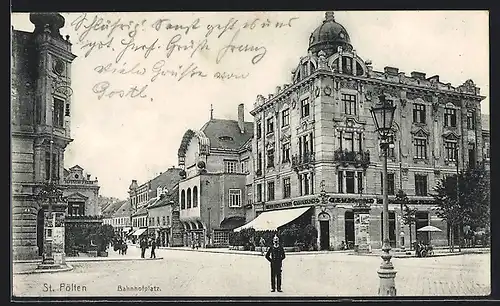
<point x="315" y="136"/>
<point x="160" y="217"/>
<point x="82" y="193"/>
<point x="214" y="188"/>
<point x="41" y="103"/>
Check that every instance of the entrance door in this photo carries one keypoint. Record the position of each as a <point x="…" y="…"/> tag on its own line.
<point x="349" y="229"/>
<point x="324" y="238"/>
<point x="39" y="231"/>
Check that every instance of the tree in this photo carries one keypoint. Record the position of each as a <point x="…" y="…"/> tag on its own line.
<point x="409" y="218"/>
<point x="464" y="199"/>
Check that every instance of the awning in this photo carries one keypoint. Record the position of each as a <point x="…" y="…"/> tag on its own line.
<point x="139" y="231"/>
<point x="271" y="220"/>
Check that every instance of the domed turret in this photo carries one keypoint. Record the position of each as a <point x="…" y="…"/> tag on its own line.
<point x="329" y="36"/>
<point x="52" y="21"/>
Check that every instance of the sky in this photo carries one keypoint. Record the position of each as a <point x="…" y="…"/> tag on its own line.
<point x="179" y="65"/>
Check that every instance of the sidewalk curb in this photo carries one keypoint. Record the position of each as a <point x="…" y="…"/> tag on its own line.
<point x="90" y="259"/>
<point x="255" y="253"/>
<point x="413" y="255"/>
<point x="68" y="268"/>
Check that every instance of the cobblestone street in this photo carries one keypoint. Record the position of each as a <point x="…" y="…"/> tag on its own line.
<point x="182" y="273"/>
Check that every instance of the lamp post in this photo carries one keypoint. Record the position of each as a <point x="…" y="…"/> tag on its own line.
<point x="208" y="227"/>
<point x="383" y="115"/>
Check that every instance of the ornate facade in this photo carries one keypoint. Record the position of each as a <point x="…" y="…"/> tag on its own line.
<point x="317" y="134"/>
<point x="215" y="189"/>
<point x="41" y="99"/>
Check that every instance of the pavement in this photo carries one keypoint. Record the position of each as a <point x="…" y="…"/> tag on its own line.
<point x="184" y="273"/>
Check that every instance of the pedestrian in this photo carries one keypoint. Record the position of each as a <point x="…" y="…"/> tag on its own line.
<point x="262" y="243"/>
<point x="124" y="248"/>
<point x="144" y="246"/>
<point x="153" y="248"/>
<point x="275" y="255"/>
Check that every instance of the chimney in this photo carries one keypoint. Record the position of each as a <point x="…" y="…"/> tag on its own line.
<point x="241" y="117"/>
<point x="88" y="177"/>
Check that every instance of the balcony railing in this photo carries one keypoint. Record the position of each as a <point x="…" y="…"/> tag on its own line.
<point x="359" y="159"/>
<point x="303" y="161"/>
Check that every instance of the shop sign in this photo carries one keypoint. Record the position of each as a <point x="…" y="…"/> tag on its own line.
<point x="293" y="203"/>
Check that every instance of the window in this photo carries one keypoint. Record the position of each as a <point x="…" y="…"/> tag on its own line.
<point x="420" y="148"/>
<point x="486" y="150"/>
<point x="76" y="209"/>
<point x="259" y="161"/>
<point x="390" y="150"/>
<point x="349" y="141"/>
<point x="221" y="237"/>
<point x="168" y="220"/>
<point x="58" y="116"/>
<point x="183" y="199"/>
<point x="157" y="221"/>
<point x="54" y="165"/>
<point x="349" y="181"/>
<point x="270" y="158"/>
<point x="244" y="166"/>
<point x="234" y="198"/>
<point x="304" y="180"/>
<point x="472" y="155"/>
<point x="188" y="195"/>
<point x="471" y="120"/>
<point x="285" y="117"/>
<point x="347" y="65"/>
<point x="390" y="183"/>
<point x="270" y="126"/>
<point x="420" y="185"/>
<point x="259" y="192"/>
<point x="340" y="182"/>
<point x="349" y="104"/>
<point x="450" y="148"/>
<point x="163" y="220"/>
<point x="360" y="182"/>
<point x="285" y="153"/>
<point x="249" y="194"/>
<point x="418" y="113"/>
<point x="195" y="196"/>
<point x="230" y="166"/>
<point x="259" y="130"/>
<point x="270" y="191"/>
<point x="450" y="117"/>
<point x="304" y="108"/>
<point x="286" y="188"/>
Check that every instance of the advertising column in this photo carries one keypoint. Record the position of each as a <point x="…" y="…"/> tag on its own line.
<point x="362" y="228"/>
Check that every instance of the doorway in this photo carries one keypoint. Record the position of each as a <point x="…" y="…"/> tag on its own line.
<point x="349" y="229"/>
<point x="39" y="231"/>
<point x="324" y="238"/>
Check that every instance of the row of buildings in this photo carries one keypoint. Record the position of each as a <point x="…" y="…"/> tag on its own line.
<point x="311" y="151"/>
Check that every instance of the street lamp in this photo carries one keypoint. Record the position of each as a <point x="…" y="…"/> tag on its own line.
<point x="383" y="115"/>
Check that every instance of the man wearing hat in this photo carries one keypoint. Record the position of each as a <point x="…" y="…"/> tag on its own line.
<point x="275" y="255"/>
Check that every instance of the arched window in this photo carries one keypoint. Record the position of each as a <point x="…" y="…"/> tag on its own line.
<point x="183" y="199"/>
<point x="189" y="198"/>
<point x="195" y="196"/>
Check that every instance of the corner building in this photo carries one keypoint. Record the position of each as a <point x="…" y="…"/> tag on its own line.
<point x="316" y="137"/>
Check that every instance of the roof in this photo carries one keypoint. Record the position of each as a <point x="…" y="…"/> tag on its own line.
<point x="76" y="167"/>
<point x="167" y="179"/>
<point x="172" y="196"/>
<point x="485" y="122"/>
<point x="112" y="208"/>
<point x="226" y="134"/>
<point x="123" y="211"/>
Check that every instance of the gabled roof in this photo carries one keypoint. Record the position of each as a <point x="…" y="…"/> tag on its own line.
<point x="123" y="211"/>
<point x="77" y="196"/>
<point x="226" y="134"/>
<point x="112" y="208"/>
<point x="66" y="172"/>
<point x="76" y="167"/>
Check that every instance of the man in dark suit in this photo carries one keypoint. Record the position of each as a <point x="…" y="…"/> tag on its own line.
<point x="275" y="255"/>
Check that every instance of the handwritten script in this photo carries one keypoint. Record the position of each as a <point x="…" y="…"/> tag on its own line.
<point x="155" y="50"/>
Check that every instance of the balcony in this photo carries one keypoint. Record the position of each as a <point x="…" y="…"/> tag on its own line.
<point x="358" y="159"/>
<point x="304" y="161"/>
